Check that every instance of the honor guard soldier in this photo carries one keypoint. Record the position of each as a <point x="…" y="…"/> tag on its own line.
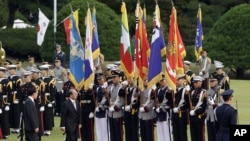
<point x="225" y="116"/>
<point x="180" y="110"/>
<point x="60" y="75"/>
<point x="131" y="111"/>
<point x="116" y="101"/>
<point x="164" y="102"/>
<point x="40" y="101"/>
<point x="189" y="74"/>
<point x="87" y="114"/>
<point x="20" y="70"/>
<point x="59" y="54"/>
<point x="198" y="107"/>
<point x="101" y="124"/>
<point x="66" y="86"/>
<point x="212" y="98"/>
<point x="146" y="113"/>
<point x="48" y="99"/>
<point x="205" y="63"/>
<point x="15" y="104"/>
<point x="224" y="81"/>
<point x="31" y="60"/>
<point x="5" y="93"/>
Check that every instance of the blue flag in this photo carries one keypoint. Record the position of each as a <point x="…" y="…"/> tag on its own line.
<point x="76" y="55"/>
<point x="157" y="45"/>
<point x="199" y="36"/>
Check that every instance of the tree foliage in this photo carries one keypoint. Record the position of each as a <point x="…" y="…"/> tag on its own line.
<point x="228" y="41"/>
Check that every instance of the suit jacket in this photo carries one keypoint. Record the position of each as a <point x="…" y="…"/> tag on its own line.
<point x="31" y="121"/>
<point x="70" y="117"/>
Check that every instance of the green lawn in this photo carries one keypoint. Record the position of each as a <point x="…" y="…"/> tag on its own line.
<point x="241" y="95"/>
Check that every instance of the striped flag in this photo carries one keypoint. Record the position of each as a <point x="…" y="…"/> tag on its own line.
<point x="88" y="62"/>
<point x="158" y="48"/>
<point x="95" y="41"/>
<point x="199" y="35"/>
<point x="125" y="47"/>
<point x="76" y="63"/>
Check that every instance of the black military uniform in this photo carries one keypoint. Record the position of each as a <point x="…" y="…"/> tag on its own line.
<point x="15" y="103"/>
<point x="87" y="114"/>
<point x="40" y="103"/>
<point x="226" y="115"/>
<point x="5" y="92"/>
<point x="131" y="119"/>
<point x="180" y="113"/>
<point x="197" y="113"/>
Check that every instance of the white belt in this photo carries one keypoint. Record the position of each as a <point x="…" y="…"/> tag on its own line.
<point x="59" y="81"/>
<point x="47" y="94"/>
<point x="85" y="101"/>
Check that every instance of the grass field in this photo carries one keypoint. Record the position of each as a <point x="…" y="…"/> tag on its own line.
<point x="241" y="95"/>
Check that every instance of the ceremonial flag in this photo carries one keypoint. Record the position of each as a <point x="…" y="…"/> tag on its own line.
<point x="89" y="65"/>
<point x="43" y="23"/>
<point x="76" y="63"/>
<point x="176" y="52"/>
<point x="141" y="46"/>
<point x="125" y="47"/>
<point x="158" y="48"/>
<point x="199" y="35"/>
<point x="67" y="28"/>
<point x="95" y="41"/>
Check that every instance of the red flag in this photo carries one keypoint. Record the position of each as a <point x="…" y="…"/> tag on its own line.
<point x="176" y="51"/>
<point x="67" y="28"/>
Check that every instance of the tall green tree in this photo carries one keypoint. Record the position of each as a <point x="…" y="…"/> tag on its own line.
<point x="228" y="41"/>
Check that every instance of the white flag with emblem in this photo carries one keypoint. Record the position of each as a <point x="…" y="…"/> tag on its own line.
<point x="43" y="23"/>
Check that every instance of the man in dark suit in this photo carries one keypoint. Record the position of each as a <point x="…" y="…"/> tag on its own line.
<point x="70" y="116"/>
<point x="31" y="121"/>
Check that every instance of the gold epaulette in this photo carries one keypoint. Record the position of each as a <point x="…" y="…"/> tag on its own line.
<point x="10" y="85"/>
<point x="42" y="86"/>
<point x="52" y="81"/>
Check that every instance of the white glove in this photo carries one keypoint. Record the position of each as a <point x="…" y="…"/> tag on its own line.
<point x="91" y="115"/>
<point x="211" y="101"/>
<point x="192" y="113"/>
<point x="176" y="110"/>
<point x="50" y="105"/>
<point x="158" y="110"/>
<point x="187" y="88"/>
<point x="16" y="102"/>
<point x="111" y="109"/>
<point x="127" y="108"/>
<point x="1" y="111"/>
<point x="124" y="83"/>
<point x="7" y="108"/>
<point x="97" y="109"/>
<point x="42" y="109"/>
<point x="200" y="73"/>
<point x="142" y="109"/>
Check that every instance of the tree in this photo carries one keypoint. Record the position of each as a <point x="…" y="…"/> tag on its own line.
<point x="228" y="41"/>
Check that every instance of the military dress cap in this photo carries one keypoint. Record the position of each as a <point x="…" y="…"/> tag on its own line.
<point x="181" y="76"/>
<point x="197" y="78"/>
<point x="2" y="69"/>
<point x="35" y="70"/>
<point x="11" y="66"/>
<point x="186" y="62"/>
<point x="227" y="92"/>
<point x="117" y="63"/>
<point x="44" y="67"/>
<point x="218" y="64"/>
<point x="7" y="62"/>
<point x="99" y="76"/>
<point x="27" y="73"/>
